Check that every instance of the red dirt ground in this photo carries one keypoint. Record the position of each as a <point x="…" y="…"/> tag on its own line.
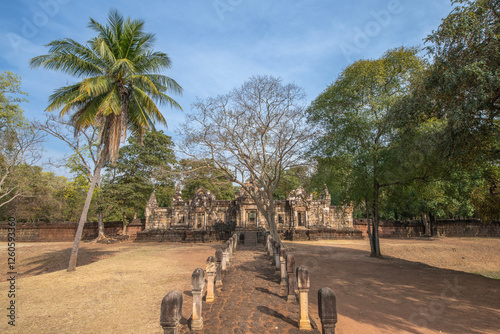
<point x="420" y="286"/>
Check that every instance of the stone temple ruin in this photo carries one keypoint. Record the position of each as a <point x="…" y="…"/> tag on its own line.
<point x="298" y="212"/>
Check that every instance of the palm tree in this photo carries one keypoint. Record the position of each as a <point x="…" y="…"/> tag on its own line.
<point x="119" y="90"/>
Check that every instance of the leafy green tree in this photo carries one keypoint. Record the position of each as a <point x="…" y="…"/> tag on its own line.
<point x="46" y="200"/>
<point x="486" y="198"/>
<point x="460" y="90"/>
<point x="10" y="97"/>
<point x="335" y="173"/>
<point x="74" y="196"/>
<point x="353" y="115"/>
<point x="197" y="174"/>
<point x="140" y="169"/>
<point x="292" y="179"/>
<point x="461" y="87"/>
<point x="119" y="90"/>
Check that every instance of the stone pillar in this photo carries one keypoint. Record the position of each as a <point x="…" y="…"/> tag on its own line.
<point x="224" y="258"/>
<point x="197" y="283"/>
<point x="235" y="237"/>
<point x="231" y="247"/>
<point x="229" y="253"/>
<point x="327" y="308"/>
<point x="218" y="261"/>
<point x="205" y="221"/>
<point x="283" y="268"/>
<point x="171" y="312"/>
<point x="277" y="248"/>
<point x="307" y="219"/>
<point x="290" y="270"/>
<point x="211" y="271"/>
<point x="304" y="284"/>
<point x="267" y="243"/>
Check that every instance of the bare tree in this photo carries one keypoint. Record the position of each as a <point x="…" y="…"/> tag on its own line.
<point x="20" y="145"/>
<point x="256" y="131"/>
<point x="86" y="146"/>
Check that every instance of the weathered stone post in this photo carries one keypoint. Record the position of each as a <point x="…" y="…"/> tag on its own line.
<point x="230" y="243"/>
<point x="228" y="253"/>
<point x="171" y="312"/>
<point x="327" y="308"/>
<point x="211" y="270"/>
<point x="283" y="268"/>
<point x="277" y="258"/>
<point x="304" y="284"/>
<point x="218" y="261"/>
<point x="235" y="237"/>
<point x="224" y="258"/>
<point x="268" y="242"/>
<point x="197" y="283"/>
<point x="290" y="270"/>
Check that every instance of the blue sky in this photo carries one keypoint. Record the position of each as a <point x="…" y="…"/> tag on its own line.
<point x="216" y="45"/>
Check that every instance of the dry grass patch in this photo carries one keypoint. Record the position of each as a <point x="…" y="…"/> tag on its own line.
<point x="118" y="294"/>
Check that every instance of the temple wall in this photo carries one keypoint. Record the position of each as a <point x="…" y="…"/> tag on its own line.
<point x="203" y="211"/>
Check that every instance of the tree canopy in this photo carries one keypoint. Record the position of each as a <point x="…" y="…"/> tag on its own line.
<point x="353" y="115"/>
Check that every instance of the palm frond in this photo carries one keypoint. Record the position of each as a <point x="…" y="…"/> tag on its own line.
<point x="121" y="86"/>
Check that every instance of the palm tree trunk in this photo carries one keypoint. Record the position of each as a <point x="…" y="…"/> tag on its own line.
<point x="100" y="217"/>
<point x="83" y="217"/>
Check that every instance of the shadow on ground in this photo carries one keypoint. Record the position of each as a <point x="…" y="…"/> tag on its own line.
<point x="396" y="295"/>
<point x="58" y="260"/>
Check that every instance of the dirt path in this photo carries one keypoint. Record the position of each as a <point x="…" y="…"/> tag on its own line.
<point x="250" y="300"/>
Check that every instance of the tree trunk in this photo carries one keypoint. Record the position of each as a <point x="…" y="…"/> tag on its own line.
<point x="368" y="223"/>
<point x="432" y="220"/>
<point x="425" y="222"/>
<point x="100" y="224"/>
<point x="124" y="223"/>
<point x="272" y="223"/>
<point x="83" y="217"/>
<point x="268" y="211"/>
<point x="375" y="251"/>
<point x="100" y="217"/>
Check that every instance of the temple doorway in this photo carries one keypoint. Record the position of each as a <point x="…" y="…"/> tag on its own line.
<point x="252" y="218"/>
<point x="301" y="219"/>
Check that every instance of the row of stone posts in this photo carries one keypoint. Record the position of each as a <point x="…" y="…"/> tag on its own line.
<point x="216" y="267"/>
<point x="295" y="281"/>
